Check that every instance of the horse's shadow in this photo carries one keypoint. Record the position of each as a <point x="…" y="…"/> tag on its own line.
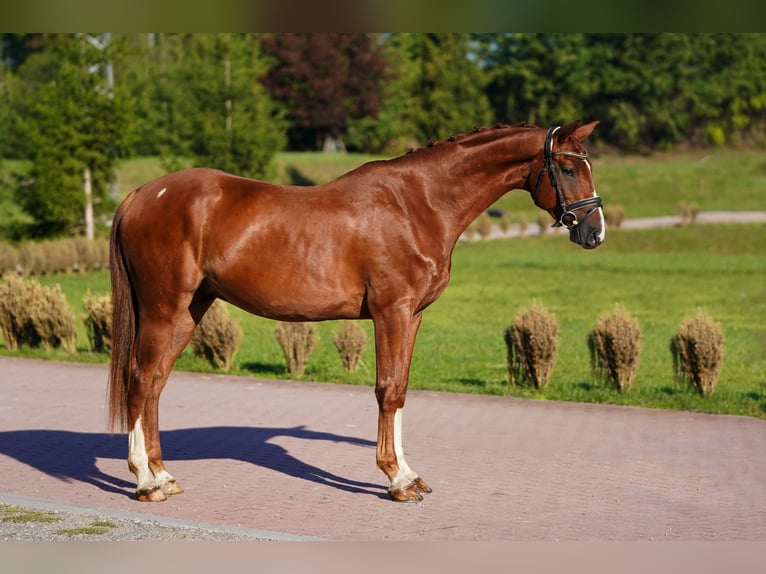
<point x="71" y="456"/>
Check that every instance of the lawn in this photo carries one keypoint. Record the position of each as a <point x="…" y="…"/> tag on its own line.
<point x="661" y="276"/>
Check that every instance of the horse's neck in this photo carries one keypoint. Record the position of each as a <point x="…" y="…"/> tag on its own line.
<point x="468" y="177"/>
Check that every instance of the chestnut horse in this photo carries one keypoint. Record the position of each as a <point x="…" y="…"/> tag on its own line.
<point x="375" y="244"/>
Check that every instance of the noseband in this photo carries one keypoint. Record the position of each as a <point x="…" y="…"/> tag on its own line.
<point x="567" y="218"/>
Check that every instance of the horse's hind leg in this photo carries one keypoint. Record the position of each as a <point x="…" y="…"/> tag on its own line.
<point x="161" y="339"/>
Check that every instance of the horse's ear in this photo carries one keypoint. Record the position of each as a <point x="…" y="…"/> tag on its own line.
<point x="575" y="130"/>
<point x="584" y="131"/>
<point x="566" y="131"/>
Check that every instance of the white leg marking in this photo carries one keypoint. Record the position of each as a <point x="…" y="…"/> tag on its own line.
<point x="162" y="192"/>
<point x="138" y="457"/>
<point x="405" y="474"/>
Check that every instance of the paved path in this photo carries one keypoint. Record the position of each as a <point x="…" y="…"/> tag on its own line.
<point x="642" y="223"/>
<point x="297" y="458"/>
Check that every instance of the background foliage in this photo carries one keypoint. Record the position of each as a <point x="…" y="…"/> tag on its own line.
<point x="233" y="101"/>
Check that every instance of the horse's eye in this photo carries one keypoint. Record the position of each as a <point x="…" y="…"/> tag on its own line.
<point x="568" y="171"/>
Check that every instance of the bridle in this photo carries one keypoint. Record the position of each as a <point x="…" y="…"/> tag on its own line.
<point x="567" y="218"/>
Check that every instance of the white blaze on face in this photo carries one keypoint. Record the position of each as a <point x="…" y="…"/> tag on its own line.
<point x="138" y="457"/>
<point x="405" y="474"/>
<point x="602" y="221"/>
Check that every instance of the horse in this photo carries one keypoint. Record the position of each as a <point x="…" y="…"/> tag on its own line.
<point x="375" y="243"/>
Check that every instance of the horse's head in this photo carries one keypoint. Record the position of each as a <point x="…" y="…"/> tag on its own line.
<point x="568" y="193"/>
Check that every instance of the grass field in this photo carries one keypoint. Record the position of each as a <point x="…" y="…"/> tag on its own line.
<point x="661" y="276"/>
<point x="720" y="179"/>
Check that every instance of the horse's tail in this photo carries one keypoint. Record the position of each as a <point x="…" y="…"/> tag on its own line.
<point x="123" y="325"/>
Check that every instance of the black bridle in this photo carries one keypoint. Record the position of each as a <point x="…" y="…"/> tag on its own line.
<point x="568" y="218"/>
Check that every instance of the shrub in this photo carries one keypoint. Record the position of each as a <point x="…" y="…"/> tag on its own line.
<point x="10" y="260"/>
<point x="55" y="256"/>
<point x="350" y="342"/>
<point x="614" y="215"/>
<point x="505" y="222"/>
<point x="484" y="225"/>
<point x="697" y="351"/>
<point x="532" y="342"/>
<point x="523" y="225"/>
<point x="32" y="258"/>
<point x="544" y="221"/>
<point x="217" y="336"/>
<point x="688" y="212"/>
<point x="98" y="321"/>
<point x="35" y="316"/>
<point x="615" y="345"/>
<point x="297" y="341"/>
<point x="90" y="254"/>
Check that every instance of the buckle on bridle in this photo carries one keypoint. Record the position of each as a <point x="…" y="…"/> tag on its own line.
<point x="569" y="213"/>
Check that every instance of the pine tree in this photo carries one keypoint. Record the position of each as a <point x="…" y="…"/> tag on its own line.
<point x="444" y="87"/>
<point x="212" y="107"/>
<point x="75" y="126"/>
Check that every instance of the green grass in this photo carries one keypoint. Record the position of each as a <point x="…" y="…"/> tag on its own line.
<point x="19" y="515"/>
<point x="95" y="528"/>
<point x="661" y="276"/>
<point x="714" y="180"/>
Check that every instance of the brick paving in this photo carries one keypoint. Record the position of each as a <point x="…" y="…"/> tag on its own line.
<point x="299" y="458"/>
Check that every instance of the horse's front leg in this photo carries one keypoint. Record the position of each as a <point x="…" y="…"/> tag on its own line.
<point x="394" y="340"/>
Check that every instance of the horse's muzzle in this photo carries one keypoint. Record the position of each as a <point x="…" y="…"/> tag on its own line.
<point x="585" y="235"/>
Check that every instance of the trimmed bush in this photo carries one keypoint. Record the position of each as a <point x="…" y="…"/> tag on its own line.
<point x="615" y="346"/>
<point x="298" y="341"/>
<point x="523" y="225"/>
<point x="697" y="351"/>
<point x="217" y="336"/>
<point x="98" y="321"/>
<point x="483" y="225"/>
<point x="54" y="256"/>
<point x="688" y="212"/>
<point x="505" y="222"/>
<point x="532" y="342"/>
<point x="350" y="342"/>
<point x="36" y="316"/>
<point x="614" y="215"/>
<point x="544" y="221"/>
<point x="10" y="260"/>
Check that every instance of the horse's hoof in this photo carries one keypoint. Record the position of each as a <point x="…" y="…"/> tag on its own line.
<point x="171" y="487"/>
<point x="421" y="486"/>
<point x="153" y="494"/>
<point x="405" y="494"/>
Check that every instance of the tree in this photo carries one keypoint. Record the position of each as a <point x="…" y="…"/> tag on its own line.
<point x="536" y="78"/>
<point x="74" y="132"/>
<point x="441" y="90"/>
<point x="324" y="81"/>
<point x="211" y="107"/>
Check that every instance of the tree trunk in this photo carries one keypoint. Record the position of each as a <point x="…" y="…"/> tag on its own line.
<point x="333" y="144"/>
<point x="89" y="226"/>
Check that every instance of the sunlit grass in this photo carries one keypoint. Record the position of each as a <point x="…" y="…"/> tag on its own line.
<point x="661" y="276"/>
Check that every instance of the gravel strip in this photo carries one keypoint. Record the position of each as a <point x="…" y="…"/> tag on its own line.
<point x="29" y="519"/>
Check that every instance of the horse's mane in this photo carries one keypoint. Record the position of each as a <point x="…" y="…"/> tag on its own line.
<point x="478" y="133"/>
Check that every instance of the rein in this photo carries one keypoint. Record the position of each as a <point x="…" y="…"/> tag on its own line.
<point x="567" y="218"/>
